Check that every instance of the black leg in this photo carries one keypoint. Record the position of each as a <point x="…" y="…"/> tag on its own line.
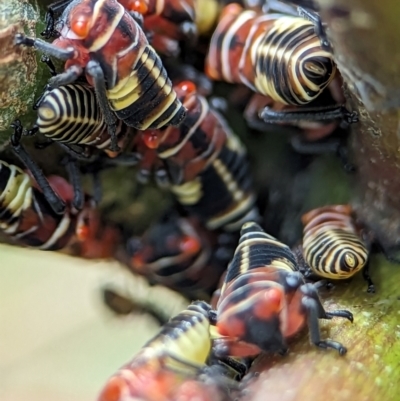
<point x="310" y="292"/>
<point x="304" y="147"/>
<point x="31" y="132"/>
<point x="56" y="203"/>
<point x="143" y="176"/>
<point x="239" y="367"/>
<point x="53" y="10"/>
<point x="94" y="70"/>
<point x="50" y="65"/>
<point x="97" y="187"/>
<point x="367" y="278"/>
<point x="76" y="182"/>
<point x="67" y="77"/>
<point x="319" y="29"/>
<point x="45" y="47"/>
<point x="331" y="144"/>
<point x="212" y="316"/>
<point x="131" y="159"/>
<point x="326" y="113"/>
<point x="162" y="179"/>
<point x="311" y="307"/>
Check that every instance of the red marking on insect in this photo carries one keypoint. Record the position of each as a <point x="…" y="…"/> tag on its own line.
<point x="190" y="245"/>
<point x="269" y="303"/>
<point x="151" y="138"/>
<point x="185" y="88"/>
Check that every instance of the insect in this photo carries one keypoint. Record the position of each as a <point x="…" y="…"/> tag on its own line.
<point x="332" y="243"/>
<point x="206" y="164"/>
<point x="181" y="254"/>
<point x="100" y="38"/>
<point x="177" y="354"/>
<point x="274" y="55"/>
<point x="203" y="163"/>
<point x="47" y="214"/>
<point x="264" y="300"/>
<point x="70" y="115"/>
<point x="100" y="238"/>
<point x="164" y="22"/>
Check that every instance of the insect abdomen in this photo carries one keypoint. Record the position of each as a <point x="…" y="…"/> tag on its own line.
<point x="146" y="99"/>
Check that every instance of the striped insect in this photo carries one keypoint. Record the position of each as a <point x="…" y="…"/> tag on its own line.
<point x="332" y="244"/>
<point x="206" y="164"/>
<point x="100" y="239"/>
<point x="100" y="38"/>
<point x="50" y="213"/>
<point x="275" y="55"/>
<point x="27" y="216"/>
<point x="265" y="301"/>
<point x="175" y="356"/>
<point x="165" y="22"/>
<point x="181" y="254"/>
<point x="70" y="115"/>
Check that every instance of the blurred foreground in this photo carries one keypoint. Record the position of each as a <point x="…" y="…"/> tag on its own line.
<point x="57" y="340"/>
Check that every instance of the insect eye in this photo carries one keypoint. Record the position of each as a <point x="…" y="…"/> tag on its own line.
<point x="80" y="24"/>
<point x="190" y="245"/>
<point x="151" y="139"/>
<point x="187" y="87"/>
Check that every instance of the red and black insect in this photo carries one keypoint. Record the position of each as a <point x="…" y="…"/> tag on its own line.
<point x="164" y="22"/>
<point x="172" y="364"/>
<point x="273" y="54"/>
<point x="278" y="56"/>
<point x="206" y="164"/>
<point x="44" y="213"/>
<point x="265" y="301"/>
<point x="180" y="254"/>
<point x="100" y="38"/>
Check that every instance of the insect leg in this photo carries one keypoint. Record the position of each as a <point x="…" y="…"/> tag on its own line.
<point x="76" y="182"/>
<point x="94" y="70"/>
<point x="67" y="77"/>
<point x="367" y="278"/>
<point x="310" y="292"/>
<point x="50" y="65"/>
<point x="62" y="54"/>
<point x="312" y="310"/>
<point x="240" y="367"/>
<point x="212" y="317"/>
<point x="319" y="29"/>
<point x="56" y="203"/>
<point x="53" y="9"/>
<point x="329" y="113"/>
<point x="97" y="187"/>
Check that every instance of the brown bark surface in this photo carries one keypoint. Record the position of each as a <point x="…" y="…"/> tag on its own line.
<point x="364" y="35"/>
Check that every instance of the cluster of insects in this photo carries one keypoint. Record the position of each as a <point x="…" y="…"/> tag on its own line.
<point x="132" y="93"/>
